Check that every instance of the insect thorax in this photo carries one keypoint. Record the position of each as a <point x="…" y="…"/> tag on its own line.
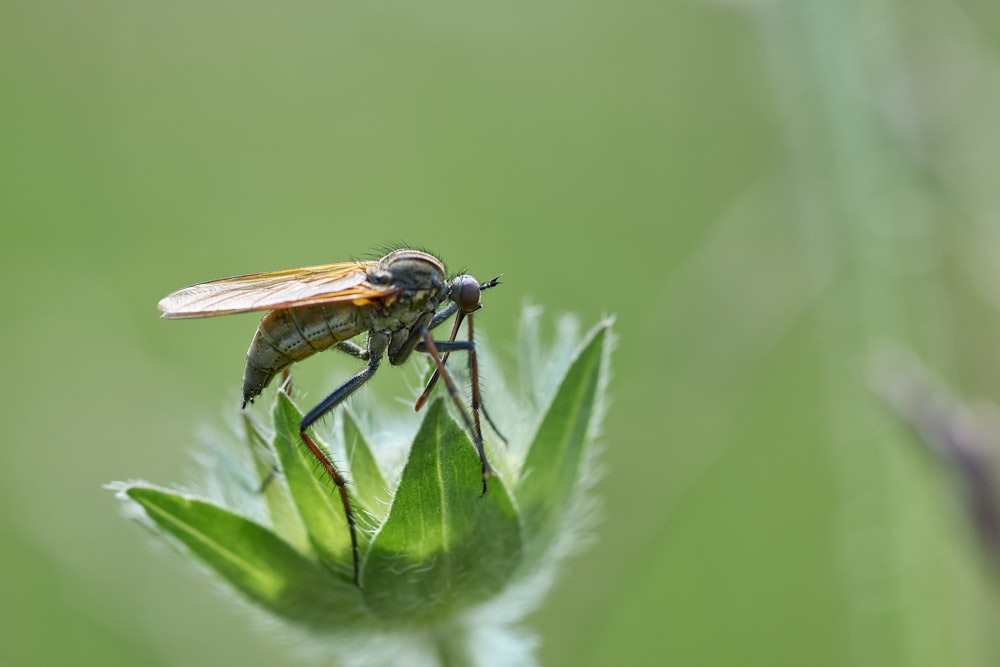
<point x="402" y="310"/>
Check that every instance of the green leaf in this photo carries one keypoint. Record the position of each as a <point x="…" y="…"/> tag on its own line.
<point x="281" y="508"/>
<point x="247" y="555"/>
<point x="314" y="493"/>
<point x="254" y="560"/>
<point x="367" y="481"/>
<point x="443" y="543"/>
<point x="551" y="468"/>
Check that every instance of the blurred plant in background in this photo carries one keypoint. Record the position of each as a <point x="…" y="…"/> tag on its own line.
<point x="448" y="575"/>
<point x="964" y="439"/>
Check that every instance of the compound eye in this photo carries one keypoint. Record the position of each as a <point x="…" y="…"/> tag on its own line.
<point x="465" y="292"/>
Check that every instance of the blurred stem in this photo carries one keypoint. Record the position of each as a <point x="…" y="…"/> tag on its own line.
<point x="452" y="649"/>
<point x="842" y="180"/>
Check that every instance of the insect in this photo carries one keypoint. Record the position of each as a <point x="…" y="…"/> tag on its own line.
<point x="398" y="300"/>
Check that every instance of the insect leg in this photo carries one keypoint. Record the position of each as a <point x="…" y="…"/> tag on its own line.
<point x="376" y="348"/>
<point x="443" y="315"/>
<point x="440" y="317"/>
<point x="444" y="360"/>
<point x="422" y="399"/>
<point x="470" y="347"/>
<point x="430" y="347"/>
<point x="477" y="399"/>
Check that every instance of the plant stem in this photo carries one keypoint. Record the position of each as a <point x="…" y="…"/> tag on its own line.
<point x="452" y="648"/>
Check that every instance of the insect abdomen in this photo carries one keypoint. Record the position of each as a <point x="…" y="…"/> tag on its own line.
<point x="289" y="335"/>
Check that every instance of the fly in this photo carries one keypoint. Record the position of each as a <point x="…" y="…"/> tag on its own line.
<point x="398" y="300"/>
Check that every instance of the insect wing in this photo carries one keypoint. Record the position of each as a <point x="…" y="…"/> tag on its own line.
<point x="329" y="283"/>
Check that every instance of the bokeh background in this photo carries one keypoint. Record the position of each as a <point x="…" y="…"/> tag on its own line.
<point x="766" y="194"/>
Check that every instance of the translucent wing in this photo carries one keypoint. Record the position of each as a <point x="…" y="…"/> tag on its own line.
<point x="329" y="283"/>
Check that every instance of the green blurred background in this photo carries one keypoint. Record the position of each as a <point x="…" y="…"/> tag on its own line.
<point x="765" y="193"/>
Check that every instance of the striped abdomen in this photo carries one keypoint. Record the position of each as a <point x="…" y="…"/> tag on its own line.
<point x="286" y="336"/>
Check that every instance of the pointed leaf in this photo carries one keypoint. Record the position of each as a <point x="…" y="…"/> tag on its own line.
<point x="314" y="493"/>
<point x="551" y="468"/>
<point x="247" y="555"/>
<point x="281" y="508"/>
<point x="443" y="543"/>
<point x="368" y="483"/>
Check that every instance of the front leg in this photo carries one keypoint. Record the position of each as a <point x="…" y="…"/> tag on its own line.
<point x="449" y="346"/>
<point x="430" y="347"/>
<point x="442" y="315"/>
